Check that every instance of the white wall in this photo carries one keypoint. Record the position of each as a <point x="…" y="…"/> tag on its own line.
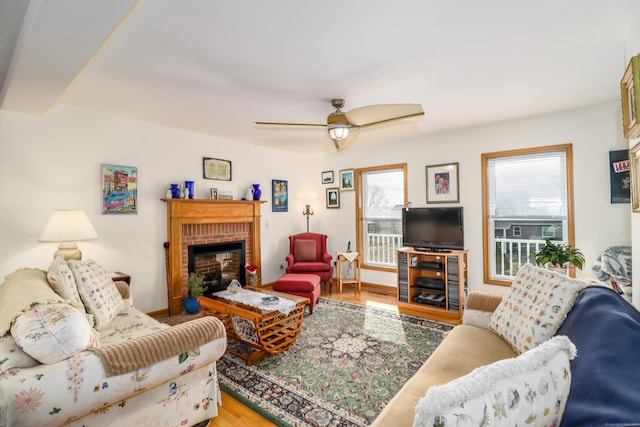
<point x="592" y="131"/>
<point x="53" y="162"/>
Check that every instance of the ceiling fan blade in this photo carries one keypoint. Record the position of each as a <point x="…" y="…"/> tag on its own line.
<point x="381" y="113"/>
<point x="346" y="143"/>
<point x="291" y="124"/>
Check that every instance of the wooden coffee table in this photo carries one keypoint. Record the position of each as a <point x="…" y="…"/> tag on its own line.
<point x="266" y="331"/>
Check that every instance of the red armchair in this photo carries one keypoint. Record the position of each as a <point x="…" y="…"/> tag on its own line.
<point x="308" y="255"/>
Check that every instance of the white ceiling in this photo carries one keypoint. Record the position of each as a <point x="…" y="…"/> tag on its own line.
<point x="218" y="66"/>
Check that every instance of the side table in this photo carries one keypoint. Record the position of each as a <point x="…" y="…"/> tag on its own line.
<point x="354" y="258"/>
<point x="118" y="276"/>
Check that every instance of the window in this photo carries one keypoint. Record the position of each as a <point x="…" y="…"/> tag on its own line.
<point x="549" y="232"/>
<point x="533" y="189"/>
<point x="382" y="193"/>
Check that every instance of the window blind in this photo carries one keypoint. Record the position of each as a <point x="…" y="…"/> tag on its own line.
<point x="528" y="186"/>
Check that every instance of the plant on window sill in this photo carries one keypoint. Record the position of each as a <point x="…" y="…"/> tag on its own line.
<point x="559" y="256"/>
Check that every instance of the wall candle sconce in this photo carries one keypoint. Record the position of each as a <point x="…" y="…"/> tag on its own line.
<point x="307" y="212"/>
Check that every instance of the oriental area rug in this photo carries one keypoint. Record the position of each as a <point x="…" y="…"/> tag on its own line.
<point x="348" y="362"/>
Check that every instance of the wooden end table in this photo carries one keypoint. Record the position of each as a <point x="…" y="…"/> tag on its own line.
<point x="266" y="331"/>
<point x="355" y="279"/>
<point x="118" y="276"/>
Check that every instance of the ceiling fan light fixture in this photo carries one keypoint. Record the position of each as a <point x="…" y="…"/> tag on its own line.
<point x="338" y="131"/>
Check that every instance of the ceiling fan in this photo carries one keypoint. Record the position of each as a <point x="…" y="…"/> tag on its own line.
<point x="341" y="124"/>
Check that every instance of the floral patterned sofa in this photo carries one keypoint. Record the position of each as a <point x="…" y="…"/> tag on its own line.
<point x="74" y="351"/>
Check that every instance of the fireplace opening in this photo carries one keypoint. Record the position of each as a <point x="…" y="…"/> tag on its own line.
<point x="220" y="263"/>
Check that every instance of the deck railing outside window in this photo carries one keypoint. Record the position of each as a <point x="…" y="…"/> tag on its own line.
<point x="381" y="248"/>
<point x="511" y="254"/>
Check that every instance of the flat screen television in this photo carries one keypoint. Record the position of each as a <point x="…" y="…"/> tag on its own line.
<point x="433" y="229"/>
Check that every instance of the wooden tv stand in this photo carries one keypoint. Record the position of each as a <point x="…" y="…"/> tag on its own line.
<point x="432" y="284"/>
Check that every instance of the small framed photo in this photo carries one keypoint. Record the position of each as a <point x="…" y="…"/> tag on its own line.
<point x="216" y="169"/>
<point x="213" y="193"/>
<point x="634" y="153"/>
<point x="327" y="177"/>
<point x="279" y="195"/>
<point x="333" y="198"/>
<point x="442" y="183"/>
<point x="630" y="92"/>
<point x="119" y="189"/>
<point x="225" y="195"/>
<point x="346" y="180"/>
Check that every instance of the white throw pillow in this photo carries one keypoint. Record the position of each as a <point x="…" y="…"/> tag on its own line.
<point x="98" y="292"/>
<point x="52" y="332"/>
<point x="530" y="389"/>
<point x="534" y="307"/>
<point x="12" y="357"/>
<point x="62" y="281"/>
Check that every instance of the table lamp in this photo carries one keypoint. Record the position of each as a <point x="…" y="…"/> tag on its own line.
<point x="67" y="227"/>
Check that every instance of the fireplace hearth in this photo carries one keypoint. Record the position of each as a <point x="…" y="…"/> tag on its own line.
<point x="220" y="263"/>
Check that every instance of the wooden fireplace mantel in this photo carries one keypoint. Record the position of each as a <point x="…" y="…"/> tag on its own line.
<point x="204" y="211"/>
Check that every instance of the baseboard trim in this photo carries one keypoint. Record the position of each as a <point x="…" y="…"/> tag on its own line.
<point x="379" y="289"/>
<point x="159" y="313"/>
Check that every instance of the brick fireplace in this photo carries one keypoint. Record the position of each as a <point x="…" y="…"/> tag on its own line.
<point x="199" y="222"/>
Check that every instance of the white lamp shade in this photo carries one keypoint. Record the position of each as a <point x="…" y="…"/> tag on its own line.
<point x="68" y="226"/>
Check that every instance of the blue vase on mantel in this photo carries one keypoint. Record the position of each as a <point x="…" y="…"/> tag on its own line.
<point x="175" y="191"/>
<point x="256" y="191"/>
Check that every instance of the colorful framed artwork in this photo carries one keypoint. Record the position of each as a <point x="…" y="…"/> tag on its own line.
<point x="119" y="189"/>
<point x="346" y="180"/>
<point x="333" y="198"/>
<point x="630" y="92"/>
<point x="216" y="169"/>
<point x="327" y="177"/>
<point x="635" y="177"/>
<point x="619" y="176"/>
<point x="279" y="195"/>
<point x="442" y="183"/>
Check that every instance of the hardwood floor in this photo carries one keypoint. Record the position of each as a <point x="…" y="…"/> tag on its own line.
<point x="234" y="413"/>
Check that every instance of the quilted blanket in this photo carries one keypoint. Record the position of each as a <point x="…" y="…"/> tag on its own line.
<point x="20" y="291"/>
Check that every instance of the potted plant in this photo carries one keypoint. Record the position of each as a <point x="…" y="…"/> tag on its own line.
<point x="195" y="288"/>
<point x="558" y="256"/>
<point x="251" y="272"/>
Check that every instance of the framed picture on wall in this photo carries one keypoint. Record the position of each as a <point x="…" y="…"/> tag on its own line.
<point x="279" y="195"/>
<point x="442" y="183"/>
<point x="216" y="169"/>
<point x="630" y="93"/>
<point x="346" y="180"/>
<point x="635" y="176"/>
<point x="333" y="198"/>
<point x="620" y="176"/>
<point x="327" y="177"/>
<point x="119" y="189"/>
